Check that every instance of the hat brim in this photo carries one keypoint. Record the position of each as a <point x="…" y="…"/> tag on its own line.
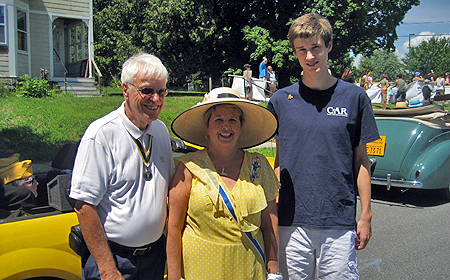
<point x="415" y="105"/>
<point x="259" y="123"/>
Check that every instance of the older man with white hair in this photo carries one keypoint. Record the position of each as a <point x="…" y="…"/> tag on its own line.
<point x="121" y="177"/>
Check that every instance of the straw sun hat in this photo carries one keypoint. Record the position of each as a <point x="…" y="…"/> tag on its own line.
<point x="259" y="123"/>
<point x="400" y="105"/>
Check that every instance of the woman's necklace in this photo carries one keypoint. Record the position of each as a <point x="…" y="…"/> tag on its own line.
<point x="223" y="169"/>
<point x="223" y="173"/>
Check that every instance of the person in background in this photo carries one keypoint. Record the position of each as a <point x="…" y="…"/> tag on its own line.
<point x="222" y="211"/>
<point x="418" y="77"/>
<point x="440" y="89"/>
<point x="347" y="76"/>
<point x="369" y="80"/>
<point x="330" y="121"/>
<point x="363" y="80"/>
<point x="18" y="188"/>
<point x="121" y="177"/>
<point x="263" y="74"/>
<point x="390" y="93"/>
<point x="430" y="76"/>
<point x="401" y="88"/>
<point x="247" y="81"/>
<point x="273" y="80"/>
<point x="426" y="92"/>
<point x="384" y="84"/>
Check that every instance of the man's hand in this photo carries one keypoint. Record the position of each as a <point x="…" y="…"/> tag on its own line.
<point x="114" y="274"/>
<point x="96" y="240"/>
<point x="364" y="232"/>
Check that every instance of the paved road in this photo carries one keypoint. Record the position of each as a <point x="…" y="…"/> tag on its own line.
<point x="411" y="237"/>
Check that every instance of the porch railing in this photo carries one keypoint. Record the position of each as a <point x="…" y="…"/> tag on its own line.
<point x="65" y="69"/>
<point x="99" y="74"/>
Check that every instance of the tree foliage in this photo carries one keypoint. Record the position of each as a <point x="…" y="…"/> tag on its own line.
<point x="430" y="54"/>
<point x="207" y="38"/>
<point x="381" y="62"/>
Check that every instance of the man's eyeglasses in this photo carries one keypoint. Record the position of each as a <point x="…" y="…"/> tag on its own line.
<point x="30" y="180"/>
<point x="149" y="91"/>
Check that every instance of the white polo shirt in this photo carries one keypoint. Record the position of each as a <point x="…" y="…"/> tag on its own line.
<point x="109" y="173"/>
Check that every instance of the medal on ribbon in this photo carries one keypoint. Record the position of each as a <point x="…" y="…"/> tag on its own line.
<point x="146" y="156"/>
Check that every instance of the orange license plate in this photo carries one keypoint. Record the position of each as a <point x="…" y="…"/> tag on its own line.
<point x="376" y="148"/>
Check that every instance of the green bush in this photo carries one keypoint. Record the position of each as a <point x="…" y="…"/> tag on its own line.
<point x="5" y="90"/>
<point x="34" y="87"/>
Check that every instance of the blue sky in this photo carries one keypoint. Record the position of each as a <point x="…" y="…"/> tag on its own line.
<point x="431" y="17"/>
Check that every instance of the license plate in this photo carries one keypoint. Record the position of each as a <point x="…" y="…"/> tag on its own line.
<point x="376" y="148"/>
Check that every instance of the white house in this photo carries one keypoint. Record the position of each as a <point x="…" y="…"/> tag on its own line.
<point x="52" y="35"/>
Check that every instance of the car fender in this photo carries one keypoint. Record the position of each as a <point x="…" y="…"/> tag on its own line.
<point x="40" y="262"/>
<point x="434" y="166"/>
<point x="38" y="247"/>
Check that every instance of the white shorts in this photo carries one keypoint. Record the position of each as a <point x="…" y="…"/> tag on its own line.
<point x="317" y="254"/>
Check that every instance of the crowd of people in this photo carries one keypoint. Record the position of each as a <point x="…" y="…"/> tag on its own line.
<point x="393" y="92"/>
<point x="266" y="73"/>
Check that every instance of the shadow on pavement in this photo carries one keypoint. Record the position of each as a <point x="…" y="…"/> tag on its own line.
<point x="411" y="197"/>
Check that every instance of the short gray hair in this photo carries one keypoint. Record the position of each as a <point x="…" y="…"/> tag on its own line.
<point x="17" y="183"/>
<point x="148" y="64"/>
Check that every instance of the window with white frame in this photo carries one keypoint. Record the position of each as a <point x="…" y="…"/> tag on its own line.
<point x="2" y="24"/>
<point x="21" y="30"/>
<point x="78" y="42"/>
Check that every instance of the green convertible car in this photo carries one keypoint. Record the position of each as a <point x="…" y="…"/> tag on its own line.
<point x="414" y="149"/>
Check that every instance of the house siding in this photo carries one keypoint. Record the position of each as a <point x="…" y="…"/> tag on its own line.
<point x="22" y="64"/>
<point x="75" y="7"/>
<point x="40" y="43"/>
<point x="4" y="64"/>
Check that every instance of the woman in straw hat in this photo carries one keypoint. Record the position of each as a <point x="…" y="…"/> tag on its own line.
<point x="222" y="198"/>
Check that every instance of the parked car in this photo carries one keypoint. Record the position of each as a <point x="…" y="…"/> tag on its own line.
<point x="34" y="243"/>
<point x="414" y="149"/>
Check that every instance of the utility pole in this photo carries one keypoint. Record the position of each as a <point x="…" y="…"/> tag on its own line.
<point x="409" y="57"/>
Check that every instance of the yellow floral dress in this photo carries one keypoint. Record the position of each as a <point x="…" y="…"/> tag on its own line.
<point x="213" y="245"/>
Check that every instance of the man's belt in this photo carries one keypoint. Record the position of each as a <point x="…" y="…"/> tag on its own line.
<point x="135" y="251"/>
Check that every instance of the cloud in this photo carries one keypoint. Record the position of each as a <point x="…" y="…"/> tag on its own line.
<point x="357" y="60"/>
<point x="415" y="40"/>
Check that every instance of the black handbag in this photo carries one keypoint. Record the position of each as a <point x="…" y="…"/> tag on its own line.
<point x="78" y="245"/>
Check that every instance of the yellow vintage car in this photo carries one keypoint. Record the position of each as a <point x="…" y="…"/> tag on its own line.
<point x="36" y="245"/>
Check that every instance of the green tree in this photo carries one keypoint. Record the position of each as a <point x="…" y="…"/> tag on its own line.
<point x="430" y="54"/>
<point x="179" y="32"/>
<point x="381" y="62"/>
<point x="208" y="38"/>
<point x="359" y="27"/>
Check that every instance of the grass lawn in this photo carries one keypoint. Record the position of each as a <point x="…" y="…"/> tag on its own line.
<point x="37" y="128"/>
